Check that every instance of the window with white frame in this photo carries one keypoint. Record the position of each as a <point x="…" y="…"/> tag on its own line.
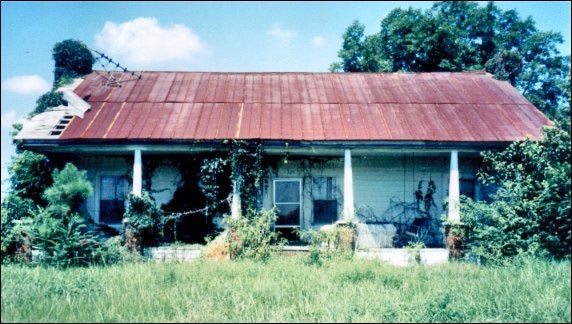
<point x="288" y="202"/>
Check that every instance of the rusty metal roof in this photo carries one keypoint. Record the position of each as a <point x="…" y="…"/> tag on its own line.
<point x="456" y="107"/>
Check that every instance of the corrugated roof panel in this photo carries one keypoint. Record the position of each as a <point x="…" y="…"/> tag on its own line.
<point x="103" y="120"/>
<point x="329" y="88"/>
<point x="306" y="106"/>
<point x="334" y="127"/>
<point x="195" y="111"/>
<point x="300" y="127"/>
<point x="203" y="90"/>
<point x="526" y="121"/>
<point x="161" y="88"/>
<point x="375" y="122"/>
<point x="395" y="120"/>
<point x="250" y="120"/>
<point x="191" y="83"/>
<point x="294" y="89"/>
<point x="284" y="114"/>
<point x="160" y="119"/>
<point x="265" y="89"/>
<point x="118" y="123"/>
<point x="140" y="91"/>
<point x="130" y="114"/>
<point x="265" y="125"/>
<point x="176" y="92"/>
<point x="183" y="115"/>
<point x="229" y="120"/>
<point x="173" y="117"/>
<point x="145" y="125"/>
<point x="221" y="91"/>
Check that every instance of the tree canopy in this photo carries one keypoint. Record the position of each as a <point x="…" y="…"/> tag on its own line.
<point x="72" y="59"/>
<point x="463" y="36"/>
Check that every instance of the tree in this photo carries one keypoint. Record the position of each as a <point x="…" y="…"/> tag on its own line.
<point x="530" y="213"/>
<point x="462" y="36"/>
<point x="72" y="59"/>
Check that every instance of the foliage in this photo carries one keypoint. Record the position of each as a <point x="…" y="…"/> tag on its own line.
<point x="59" y="232"/>
<point x="463" y="36"/>
<point x="69" y="190"/>
<point x="72" y="59"/>
<point x="414" y="250"/>
<point x="242" y="165"/>
<point x="252" y="236"/>
<point x="530" y="213"/>
<point x="48" y="100"/>
<point x="30" y="175"/>
<point x="288" y="290"/>
<point x="328" y="243"/>
<point x="142" y="220"/>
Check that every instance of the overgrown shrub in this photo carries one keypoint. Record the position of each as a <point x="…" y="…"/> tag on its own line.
<point x="326" y="244"/>
<point x="142" y="220"/>
<point x="252" y="236"/>
<point x="30" y="174"/>
<point x="59" y="232"/>
<point x="72" y="59"/>
<point x="49" y="99"/>
<point x="530" y="213"/>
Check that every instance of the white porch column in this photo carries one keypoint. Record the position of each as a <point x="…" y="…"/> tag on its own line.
<point x="235" y="206"/>
<point x="348" y="187"/>
<point x="454" y="214"/>
<point x="137" y="173"/>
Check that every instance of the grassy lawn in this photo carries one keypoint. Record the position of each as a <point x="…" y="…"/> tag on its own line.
<point x="288" y="289"/>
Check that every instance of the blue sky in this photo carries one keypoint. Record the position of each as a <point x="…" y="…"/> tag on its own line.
<point x="194" y="36"/>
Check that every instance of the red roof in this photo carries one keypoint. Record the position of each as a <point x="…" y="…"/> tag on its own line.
<point x="466" y="107"/>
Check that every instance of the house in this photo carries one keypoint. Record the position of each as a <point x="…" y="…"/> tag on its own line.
<point x="383" y="149"/>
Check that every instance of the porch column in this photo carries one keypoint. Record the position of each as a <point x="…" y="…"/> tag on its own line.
<point x="235" y="206"/>
<point x="454" y="215"/>
<point x="137" y="173"/>
<point x="348" y="187"/>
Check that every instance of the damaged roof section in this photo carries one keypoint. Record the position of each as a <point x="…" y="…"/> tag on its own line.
<point x="454" y="107"/>
<point x="51" y="123"/>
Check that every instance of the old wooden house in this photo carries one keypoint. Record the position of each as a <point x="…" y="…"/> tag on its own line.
<point x="385" y="150"/>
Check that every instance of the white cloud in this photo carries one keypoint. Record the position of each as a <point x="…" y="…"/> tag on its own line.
<point x="9" y="118"/>
<point x="26" y="84"/>
<point x="318" y="41"/>
<point x="143" y="43"/>
<point x="280" y="33"/>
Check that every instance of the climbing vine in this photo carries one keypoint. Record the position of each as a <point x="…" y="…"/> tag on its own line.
<point x="241" y="163"/>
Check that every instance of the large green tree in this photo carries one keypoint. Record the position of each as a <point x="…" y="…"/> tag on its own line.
<point x="463" y="36"/>
<point x="72" y="59"/>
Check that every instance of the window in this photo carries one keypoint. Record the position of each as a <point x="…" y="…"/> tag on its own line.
<point x="111" y="199"/>
<point x="287" y="200"/>
<point x="324" y="203"/>
<point x="467" y="188"/>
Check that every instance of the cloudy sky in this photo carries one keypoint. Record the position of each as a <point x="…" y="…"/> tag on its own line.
<point x="193" y="36"/>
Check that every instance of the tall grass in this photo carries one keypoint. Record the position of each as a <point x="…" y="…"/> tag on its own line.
<point x="288" y="289"/>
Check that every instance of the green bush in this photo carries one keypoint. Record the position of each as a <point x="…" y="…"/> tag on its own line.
<point x="49" y="99"/>
<point x="72" y="59"/>
<point x="530" y="213"/>
<point x="142" y="220"/>
<point x="252" y="236"/>
<point x="326" y="244"/>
